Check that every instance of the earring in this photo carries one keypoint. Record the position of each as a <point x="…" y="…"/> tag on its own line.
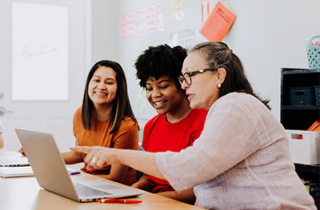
<point x="219" y="85"/>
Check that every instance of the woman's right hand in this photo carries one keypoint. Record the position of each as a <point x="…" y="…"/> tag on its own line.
<point x="98" y="158"/>
<point x="22" y="152"/>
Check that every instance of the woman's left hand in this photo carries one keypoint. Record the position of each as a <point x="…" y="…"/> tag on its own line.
<point x="98" y="157"/>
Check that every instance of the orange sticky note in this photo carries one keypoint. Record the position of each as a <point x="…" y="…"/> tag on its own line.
<point x="218" y="23"/>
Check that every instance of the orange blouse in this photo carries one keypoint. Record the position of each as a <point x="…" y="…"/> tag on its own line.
<point x="126" y="137"/>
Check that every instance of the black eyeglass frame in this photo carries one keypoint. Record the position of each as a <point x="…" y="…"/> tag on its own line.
<point x="191" y="73"/>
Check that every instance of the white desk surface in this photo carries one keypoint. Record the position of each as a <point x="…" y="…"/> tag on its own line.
<point x="25" y="193"/>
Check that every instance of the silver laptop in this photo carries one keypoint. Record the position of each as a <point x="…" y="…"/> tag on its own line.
<point x="52" y="175"/>
<point x="12" y="161"/>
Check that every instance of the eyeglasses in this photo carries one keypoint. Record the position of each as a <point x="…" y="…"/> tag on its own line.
<point x="187" y="76"/>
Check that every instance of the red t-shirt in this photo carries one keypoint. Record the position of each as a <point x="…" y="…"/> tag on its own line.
<point x="161" y="136"/>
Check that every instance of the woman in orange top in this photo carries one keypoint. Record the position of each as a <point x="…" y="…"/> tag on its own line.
<point x="105" y="119"/>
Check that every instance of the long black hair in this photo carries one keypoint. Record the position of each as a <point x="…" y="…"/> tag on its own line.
<point x="121" y="103"/>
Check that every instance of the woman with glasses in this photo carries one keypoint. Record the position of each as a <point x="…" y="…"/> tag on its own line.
<point x="241" y="159"/>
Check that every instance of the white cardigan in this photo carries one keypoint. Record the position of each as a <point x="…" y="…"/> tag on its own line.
<point x="240" y="161"/>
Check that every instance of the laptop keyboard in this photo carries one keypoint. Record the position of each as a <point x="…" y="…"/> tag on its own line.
<point x="84" y="191"/>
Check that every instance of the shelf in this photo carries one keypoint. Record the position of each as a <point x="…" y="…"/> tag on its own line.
<point x="299" y="71"/>
<point x="300" y="107"/>
<point x="298" y="117"/>
<point x="314" y="169"/>
<point x="297" y="78"/>
<point x="295" y="117"/>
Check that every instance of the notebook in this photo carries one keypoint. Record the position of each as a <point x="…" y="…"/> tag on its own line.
<point x="51" y="173"/>
<point x="9" y="161"/>
<point x="7" y="172"/>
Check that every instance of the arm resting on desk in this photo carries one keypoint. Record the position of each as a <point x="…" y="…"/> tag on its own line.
<point x="117" y="173"/>
<point x="72" y="157"/>
<point x="186" y="196"/>
<point x="142" y="184"/>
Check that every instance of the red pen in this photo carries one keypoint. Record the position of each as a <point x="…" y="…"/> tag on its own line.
<point x="118" y="201"/>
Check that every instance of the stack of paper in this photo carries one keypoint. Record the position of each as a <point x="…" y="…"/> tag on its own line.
<point x="6" y="172"/>
<point x="16" y="171"/>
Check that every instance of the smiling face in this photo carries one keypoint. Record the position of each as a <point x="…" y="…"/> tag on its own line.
<point x="164" y="95"/>
<point x="203" y="91"/>
<point x="102" y="87"/>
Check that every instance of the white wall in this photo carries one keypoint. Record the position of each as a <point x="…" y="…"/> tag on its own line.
<point x="267" y="35"/>
<point x="105" y="30"/>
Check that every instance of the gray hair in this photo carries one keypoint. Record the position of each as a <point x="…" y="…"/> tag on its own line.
<point x="218" y="55"/>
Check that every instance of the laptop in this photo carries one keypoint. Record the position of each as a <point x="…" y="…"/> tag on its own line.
<point x="51" y="173"/>
<point x="12" y="161"/>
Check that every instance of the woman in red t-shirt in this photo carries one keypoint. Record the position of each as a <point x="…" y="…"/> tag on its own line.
<point x="176" y="126"/>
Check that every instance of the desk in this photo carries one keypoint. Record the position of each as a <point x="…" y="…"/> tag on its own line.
<point x="25" y="193"/>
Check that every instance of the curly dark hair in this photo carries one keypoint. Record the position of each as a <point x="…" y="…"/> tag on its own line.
<point x="160" y="61"/>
